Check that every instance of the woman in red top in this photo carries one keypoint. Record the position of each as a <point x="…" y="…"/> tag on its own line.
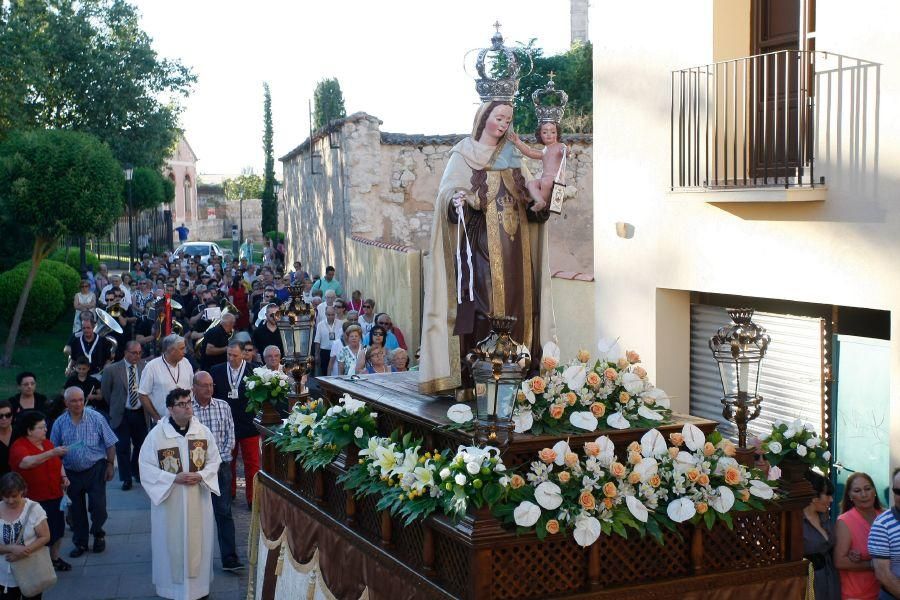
<point x="859" y="508"/>
<point x="38" y="462"/>
<point x="237" y="295"/>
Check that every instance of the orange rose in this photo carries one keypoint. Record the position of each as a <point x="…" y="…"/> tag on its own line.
<point x="654" y="480"/>
<point x="571" y="398"/>
<point x="634" y="478"/>
<point x="745" y="495"/>
<point x="703" y="479"/>
<point x="609" y="489"/>
<point x="549" y="363"/>
<point x="564" y="477"/>
<point x="732" y="476"/>
<point x="640" y="372"/>
<point x="622" y="364"/>
<point x="516" y="481"/>
<point x="673" y="452"/>
<point x="556" y="411"/>
<point x="571" y="459"/>
<point x="634" y="458"/>
<point x="593" y="379"/>
<point x="693" y="475"/>
<point x="634" y="447"/>
<point x="617" y="469"/>
<point x="552" y="526"/>
<point x="587" y="501"/>
<point x="632" y="357"/>
<point x="608" y="503"/>
<point x="702" y="507"/>
<point x="729" y="449"/>
<point x="708" y="449"/>
<point x="676" y="438"/>
<point x="547" y="455"/>
<point x="624" y="397"/>
<point x="592" y="448"/>
<point x="610" y="374"/>
<point x="538" y="385"/>
<point x="598" y="409"/>
<point x="583" y="356"/>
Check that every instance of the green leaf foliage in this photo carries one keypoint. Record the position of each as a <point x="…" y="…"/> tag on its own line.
<point x="45" y="302"/>
<point x="147" y="189"/>
<point x="72" y="257"/>
<point x="69" y="278"/>
<point x="86" y="65"/>
<point x="269" y="202"/>
<point x="574" y="75"/>
<point x="249" y="184"/>
<point x="328" y="102"/>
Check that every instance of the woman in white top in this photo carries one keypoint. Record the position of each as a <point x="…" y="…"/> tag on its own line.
<point x="352" y="356"/>
<point x="84" y="300"/>
<point x="35" y="531"/>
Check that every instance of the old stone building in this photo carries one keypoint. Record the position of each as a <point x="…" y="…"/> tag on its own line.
<point x="181" y="169"/>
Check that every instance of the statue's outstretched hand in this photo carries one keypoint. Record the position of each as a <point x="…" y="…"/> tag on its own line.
<point x="458" y="199"/>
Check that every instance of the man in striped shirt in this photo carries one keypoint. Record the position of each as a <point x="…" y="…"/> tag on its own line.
<point x="884" y="545"/>
<point x="216" y="415"/>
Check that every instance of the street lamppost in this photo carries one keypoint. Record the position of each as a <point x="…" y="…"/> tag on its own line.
<point x="242" y="215"/>
<point x="276" y="187"/>
<point x="129" y="175"/>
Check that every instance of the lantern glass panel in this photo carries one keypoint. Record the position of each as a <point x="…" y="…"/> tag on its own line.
<point x="506" y="398"/>
<point x="301" y="335"/>
<point x="287" y="337"/>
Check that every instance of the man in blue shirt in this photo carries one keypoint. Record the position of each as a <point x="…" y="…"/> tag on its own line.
<point x="89" y="463"/>
<point x="884" y="545"/>
<point x="182" y="233"/>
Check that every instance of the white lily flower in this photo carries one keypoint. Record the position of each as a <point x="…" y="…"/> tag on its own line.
<point x="649" y="414"/>
<point x="424" y="477"/>
<point x="386" y="459"/>
<point x="724" y="463"/>
<point x="584" y="420"/>
<point x="761" y="489"/>
<point x="552" y="350"/>
<point x="561" y="448"/>
<point x="633" y="384"/>
<point x="684" y="461"/>
<point x="548" y="495"/>
<point x="647" y="468"/>
<point x="526" y="514"/>
<point x="653" y="444"/>
<point x="606" y="445"/>
<point x="636" y="508"/>
<point x="460" y="413"/>
<point x="351" y="404"/>
<point x="658" y="398"/>
<point x="574" y="376"/>
<point x="617" y="421"/>
<point x="608" y="349"/>
<point x="694" y="439"/>
<point x="681" y="510"/>
<point x="723" y="500"/>
<point x="523" y="420"/>
<point x="526" y="390"/>
<point x="587" y="530"/>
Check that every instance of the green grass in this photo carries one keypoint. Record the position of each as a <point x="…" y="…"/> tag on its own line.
<point x="41" y="353"/>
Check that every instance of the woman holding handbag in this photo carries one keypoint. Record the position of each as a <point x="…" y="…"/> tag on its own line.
<point x="24" y="534"/>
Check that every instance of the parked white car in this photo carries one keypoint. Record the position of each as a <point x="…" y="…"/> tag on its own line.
<point x="202" y="249"/>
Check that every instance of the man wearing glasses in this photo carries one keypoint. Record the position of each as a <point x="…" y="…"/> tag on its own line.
<point x="267" y="334"/>
<point x="884" y="545"/>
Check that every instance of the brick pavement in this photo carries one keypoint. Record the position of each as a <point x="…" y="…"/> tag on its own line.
<point x="124" y="569"/>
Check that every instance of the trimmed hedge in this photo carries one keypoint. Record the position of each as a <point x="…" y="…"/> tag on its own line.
<point x="275" y="236"/>
<point x="68" y="278"/>
<point x="45" y="301"/>
<point x="73" y="258"/>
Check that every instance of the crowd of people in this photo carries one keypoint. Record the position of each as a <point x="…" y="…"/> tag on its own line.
<point x="165" y="400"/>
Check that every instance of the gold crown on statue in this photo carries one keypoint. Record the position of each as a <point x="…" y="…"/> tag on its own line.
<point x="498" y="70"/>
<point x="549" y="102"/>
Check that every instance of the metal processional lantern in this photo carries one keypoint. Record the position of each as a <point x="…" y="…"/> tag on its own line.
<point x="739" y="349"/>
<point x="296" y="327"/>
<point x="498" y="366"/>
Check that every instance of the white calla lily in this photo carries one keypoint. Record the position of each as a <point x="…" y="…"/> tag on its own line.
<point x="636" y="508"/>
<point x="659" y="398"/>
<point x="694" y="439"/>
<point x="551" y="350"/>
<point x="617" y="421"/>
<point x="607" y="448"/>
<point x="633" y="384"/>
<point x="526" y="390"/>
<point x="526" y="514"/>
<point x="583" y="420"/>
<point x="761" y="489"/>
<point x="587" y="530"/>
<point x="723" y="500"/>
<point x="723" y="463"/>
<point x="561" y="448"/>
<point x="351" y="404"/>
<point x="684" y="461"/>
<point x="681" y="510"/>
<point x="608" y="349"/>
<point x="548" y="495"/>
<point x="574" y="376"/>
<point x="523" y="420"/>
<point x="647" y="468"/>
<point x="653" y="444"/>
<point x="460" y="413"/>
<point x="649" y="414"/>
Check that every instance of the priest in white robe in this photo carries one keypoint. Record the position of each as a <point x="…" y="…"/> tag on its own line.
<point x="181" y="515"/>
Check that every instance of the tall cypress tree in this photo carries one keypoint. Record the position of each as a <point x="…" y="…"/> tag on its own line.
<point x="269" y="203"/>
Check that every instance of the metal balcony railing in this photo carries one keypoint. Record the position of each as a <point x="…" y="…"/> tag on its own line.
<point x="752" y="122"/>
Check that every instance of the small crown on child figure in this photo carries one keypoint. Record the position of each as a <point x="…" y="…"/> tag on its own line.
<point x="497" y="82"/>
<point x="546" y="113"/>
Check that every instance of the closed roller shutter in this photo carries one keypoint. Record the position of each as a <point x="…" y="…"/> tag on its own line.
<point x="791" y="378"/>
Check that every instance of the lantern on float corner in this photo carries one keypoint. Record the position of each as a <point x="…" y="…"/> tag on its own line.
<point x="498" y="365"/>
<point x="295" y="327"/>
<point x="739" y="349"/>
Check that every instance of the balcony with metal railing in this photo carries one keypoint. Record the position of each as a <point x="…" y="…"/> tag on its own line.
<point x="751" y="128"/>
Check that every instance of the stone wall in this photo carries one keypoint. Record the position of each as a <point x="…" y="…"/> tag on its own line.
<point x="228" y="213"/>
<point x="382" y="186"/>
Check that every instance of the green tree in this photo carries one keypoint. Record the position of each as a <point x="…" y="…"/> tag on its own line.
<point x="86" y="65"/>
<point x="147" y="189"/>
<point x="249" y="183"/>
<point x="573" y="74"/>
<point x="56" y="183"/>
<point x="168" y="190"/>
<point x="328" y="102"/>
<point x="269" y="202"/>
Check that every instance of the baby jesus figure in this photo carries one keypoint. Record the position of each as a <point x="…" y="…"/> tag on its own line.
<point x="551" y="157"/>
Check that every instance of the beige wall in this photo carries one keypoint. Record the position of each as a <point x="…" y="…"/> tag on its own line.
<point x="841" y="251"/>
<point x="731" y="29"/>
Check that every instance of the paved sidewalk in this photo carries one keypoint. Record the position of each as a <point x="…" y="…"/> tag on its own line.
<point x="124" y="569"/>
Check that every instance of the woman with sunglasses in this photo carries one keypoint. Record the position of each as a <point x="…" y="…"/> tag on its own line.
<point x="84" y="300"/>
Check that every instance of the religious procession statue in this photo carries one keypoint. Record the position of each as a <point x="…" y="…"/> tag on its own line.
<point x="489" y="250"/>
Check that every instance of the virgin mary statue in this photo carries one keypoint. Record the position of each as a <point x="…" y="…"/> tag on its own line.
<point x="488" y="254"/>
